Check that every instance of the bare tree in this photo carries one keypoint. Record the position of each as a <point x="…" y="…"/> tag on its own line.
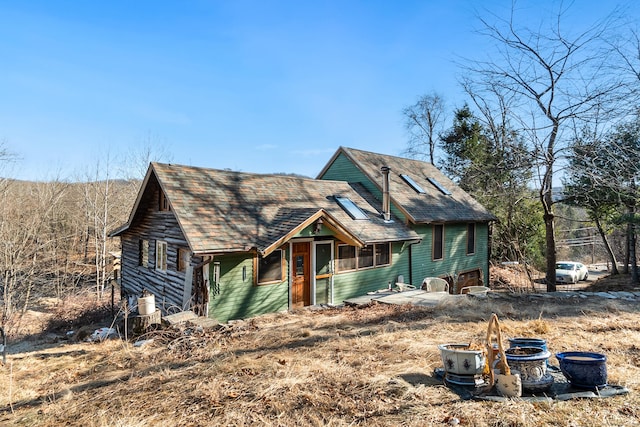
<point x="557" y="78"/>
<point x="31" y="233"/>
<point x="424" y="120"/>
<point x="136" y="161"/>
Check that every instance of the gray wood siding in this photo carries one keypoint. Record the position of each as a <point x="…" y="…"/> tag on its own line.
<point x="238" y="298"/>
<point x="153" y="225"/>
<point x="356" y="283"/>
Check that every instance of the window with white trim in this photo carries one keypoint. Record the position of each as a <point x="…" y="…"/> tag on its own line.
<point x="184" y="257"/>
<point x="161" y="255"/>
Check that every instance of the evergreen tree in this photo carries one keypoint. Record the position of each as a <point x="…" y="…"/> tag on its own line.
<point x="495" y="168"/>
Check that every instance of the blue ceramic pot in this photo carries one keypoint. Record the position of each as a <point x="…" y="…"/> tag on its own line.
<point x="531" y="364"/>
<point x="529" y="342"/>
<point x="584" y="369"/>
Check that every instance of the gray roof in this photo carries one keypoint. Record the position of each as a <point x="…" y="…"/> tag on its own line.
<point x="433" y="205"/>
<point x="226" y="211"/>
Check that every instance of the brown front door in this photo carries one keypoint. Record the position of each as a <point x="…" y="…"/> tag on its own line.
<point x="301" y="269"/>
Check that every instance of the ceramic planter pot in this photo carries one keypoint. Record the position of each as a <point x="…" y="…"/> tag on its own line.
<point x="528" y="342"/>
<point x="531" y="364"/>
<point x="584" y="369"/>
<point x="460" y="360"/>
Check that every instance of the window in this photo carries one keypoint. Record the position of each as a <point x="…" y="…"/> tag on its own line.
<point x="471" y="238"/>
<point x="161" y="255"/>
<point x="413" y="184"/>
<point x="351" y="258"/>
<point x="270" y="268"/>
<point x="365" y="257"/>
<point x="438" y="241"/>
<point x="439" y="186"/>
<point x="143" y="253"/>
<point x="346" y="257"/>
<point x="383" y="254"/>
<point x="351" y="208"/>
<point x="163" y="203"/>
<point x="184" y="256"/>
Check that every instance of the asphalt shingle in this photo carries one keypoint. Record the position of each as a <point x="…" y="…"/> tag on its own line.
<point x="221" y="210"/>
<point x="431" y="206"/>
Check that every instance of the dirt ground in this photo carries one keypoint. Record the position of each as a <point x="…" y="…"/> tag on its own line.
<point x="375" y="365"/>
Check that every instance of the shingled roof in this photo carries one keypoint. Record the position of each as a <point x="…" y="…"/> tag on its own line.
<point x="227" y="211"/>
<point x="441" y="201"/>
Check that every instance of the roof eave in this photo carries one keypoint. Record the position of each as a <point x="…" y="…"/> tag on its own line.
<point x="134" y="209"/>
<point x="342" y="232"/>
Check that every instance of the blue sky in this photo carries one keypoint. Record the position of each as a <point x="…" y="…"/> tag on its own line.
<point x="256" y="86"/>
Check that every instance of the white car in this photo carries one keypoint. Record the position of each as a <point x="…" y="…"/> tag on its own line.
<point x="570" y="272"/>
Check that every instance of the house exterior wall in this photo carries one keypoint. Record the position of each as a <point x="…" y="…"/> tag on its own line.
<point x="235" y="298"/>
<point x="455" y="259"/>
<point x="236" y="295"/>
<point x="343" y="170"/>
<point x="359" y="282"/>
<point x="153" y="225"/>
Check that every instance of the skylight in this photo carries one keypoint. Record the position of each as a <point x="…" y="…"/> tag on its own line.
<point x="439" y="186"/>
<point x="351" y="208"/>
<point x="413" y="184"/>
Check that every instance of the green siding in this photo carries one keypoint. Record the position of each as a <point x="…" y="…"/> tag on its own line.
<point x="342" y="169"/>
<point x="309" y="232"/>
<point x="455" y="260"/>
<point x="356" y="283"/>
<point x="240" y="299"/>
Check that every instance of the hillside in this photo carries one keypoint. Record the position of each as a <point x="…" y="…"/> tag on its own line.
<point x="349" y="366"/>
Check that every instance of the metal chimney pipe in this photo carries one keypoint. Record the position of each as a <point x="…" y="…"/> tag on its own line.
<point x="386" y="200"/>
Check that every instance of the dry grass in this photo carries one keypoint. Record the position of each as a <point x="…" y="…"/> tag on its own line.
<point x="371" y="366"/>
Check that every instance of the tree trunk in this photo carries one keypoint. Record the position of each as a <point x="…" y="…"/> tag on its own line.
<point x="627" y="250"/>
<point x="546" y="196"/>
<point x="607" y="245"/>
<point x="632" y="246"/>
<point x="632" y="255"/>
<point x="551" y="250"/>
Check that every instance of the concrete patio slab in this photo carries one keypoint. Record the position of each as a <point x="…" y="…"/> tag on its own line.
<point x="417" y="297"/>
